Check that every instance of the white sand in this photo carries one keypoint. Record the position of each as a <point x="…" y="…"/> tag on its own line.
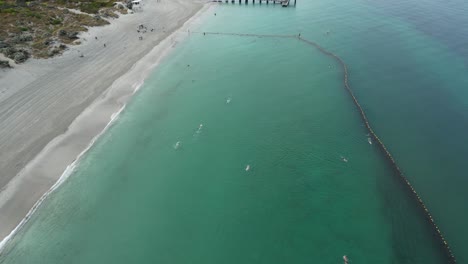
<point x="50" y="110"/>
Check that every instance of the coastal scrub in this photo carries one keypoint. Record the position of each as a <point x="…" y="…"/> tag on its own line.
<point x="42" y="29"/>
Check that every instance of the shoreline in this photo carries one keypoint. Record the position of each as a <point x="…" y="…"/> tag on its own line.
<point x="26" y="191"/>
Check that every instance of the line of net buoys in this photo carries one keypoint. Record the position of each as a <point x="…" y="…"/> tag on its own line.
<point x="382" y="146"/>
<point x="428" y="215"/>
<point x="244" y="34"/>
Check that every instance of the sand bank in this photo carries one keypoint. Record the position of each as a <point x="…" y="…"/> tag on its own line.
<point x="50" y="110"/>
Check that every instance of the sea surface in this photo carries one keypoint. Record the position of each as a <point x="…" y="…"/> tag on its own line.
<point x="249" y="150"/>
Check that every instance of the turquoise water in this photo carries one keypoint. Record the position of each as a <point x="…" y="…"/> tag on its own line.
<point x="135" y="198"/>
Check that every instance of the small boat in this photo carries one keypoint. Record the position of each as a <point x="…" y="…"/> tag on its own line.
<point x="369" y="140"/>
<point x="247" y="168"/>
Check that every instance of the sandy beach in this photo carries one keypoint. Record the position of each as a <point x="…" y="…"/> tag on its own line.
<point x="51" y="110"/>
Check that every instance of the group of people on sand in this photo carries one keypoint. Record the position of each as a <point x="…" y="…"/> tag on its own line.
<point x="143" y="29"/>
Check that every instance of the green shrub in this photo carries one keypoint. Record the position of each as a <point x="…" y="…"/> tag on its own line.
<point x="30" y="13"/>
<point x="9" y="11"/>
<point x="36" y="15"/>
<point x="55" y="21"/>
<point x="93" y="7"/>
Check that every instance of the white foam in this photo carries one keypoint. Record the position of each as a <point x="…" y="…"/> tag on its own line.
<point x="71" y="167"/>
<point x="137" y="86"/>
<point x="65" y="175"/>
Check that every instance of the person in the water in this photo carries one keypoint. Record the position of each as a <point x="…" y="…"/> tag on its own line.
<point x="177" y="145"/>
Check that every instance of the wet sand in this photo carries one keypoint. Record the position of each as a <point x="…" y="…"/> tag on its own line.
<point x="52" y="110"/>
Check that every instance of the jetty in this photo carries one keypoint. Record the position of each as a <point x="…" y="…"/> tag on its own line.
<point x="284" y="3"/>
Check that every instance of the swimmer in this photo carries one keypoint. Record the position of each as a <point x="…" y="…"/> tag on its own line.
<point x="228" y="100"/>
<point x="177" y="145"/>
<point x="344" y="159"/>
<point x="247" y="168"/>
<point x="345" y="259"/>
<point x="199" y="129"/>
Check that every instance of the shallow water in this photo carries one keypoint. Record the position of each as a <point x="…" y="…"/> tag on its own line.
<point x="279" y="107"/>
